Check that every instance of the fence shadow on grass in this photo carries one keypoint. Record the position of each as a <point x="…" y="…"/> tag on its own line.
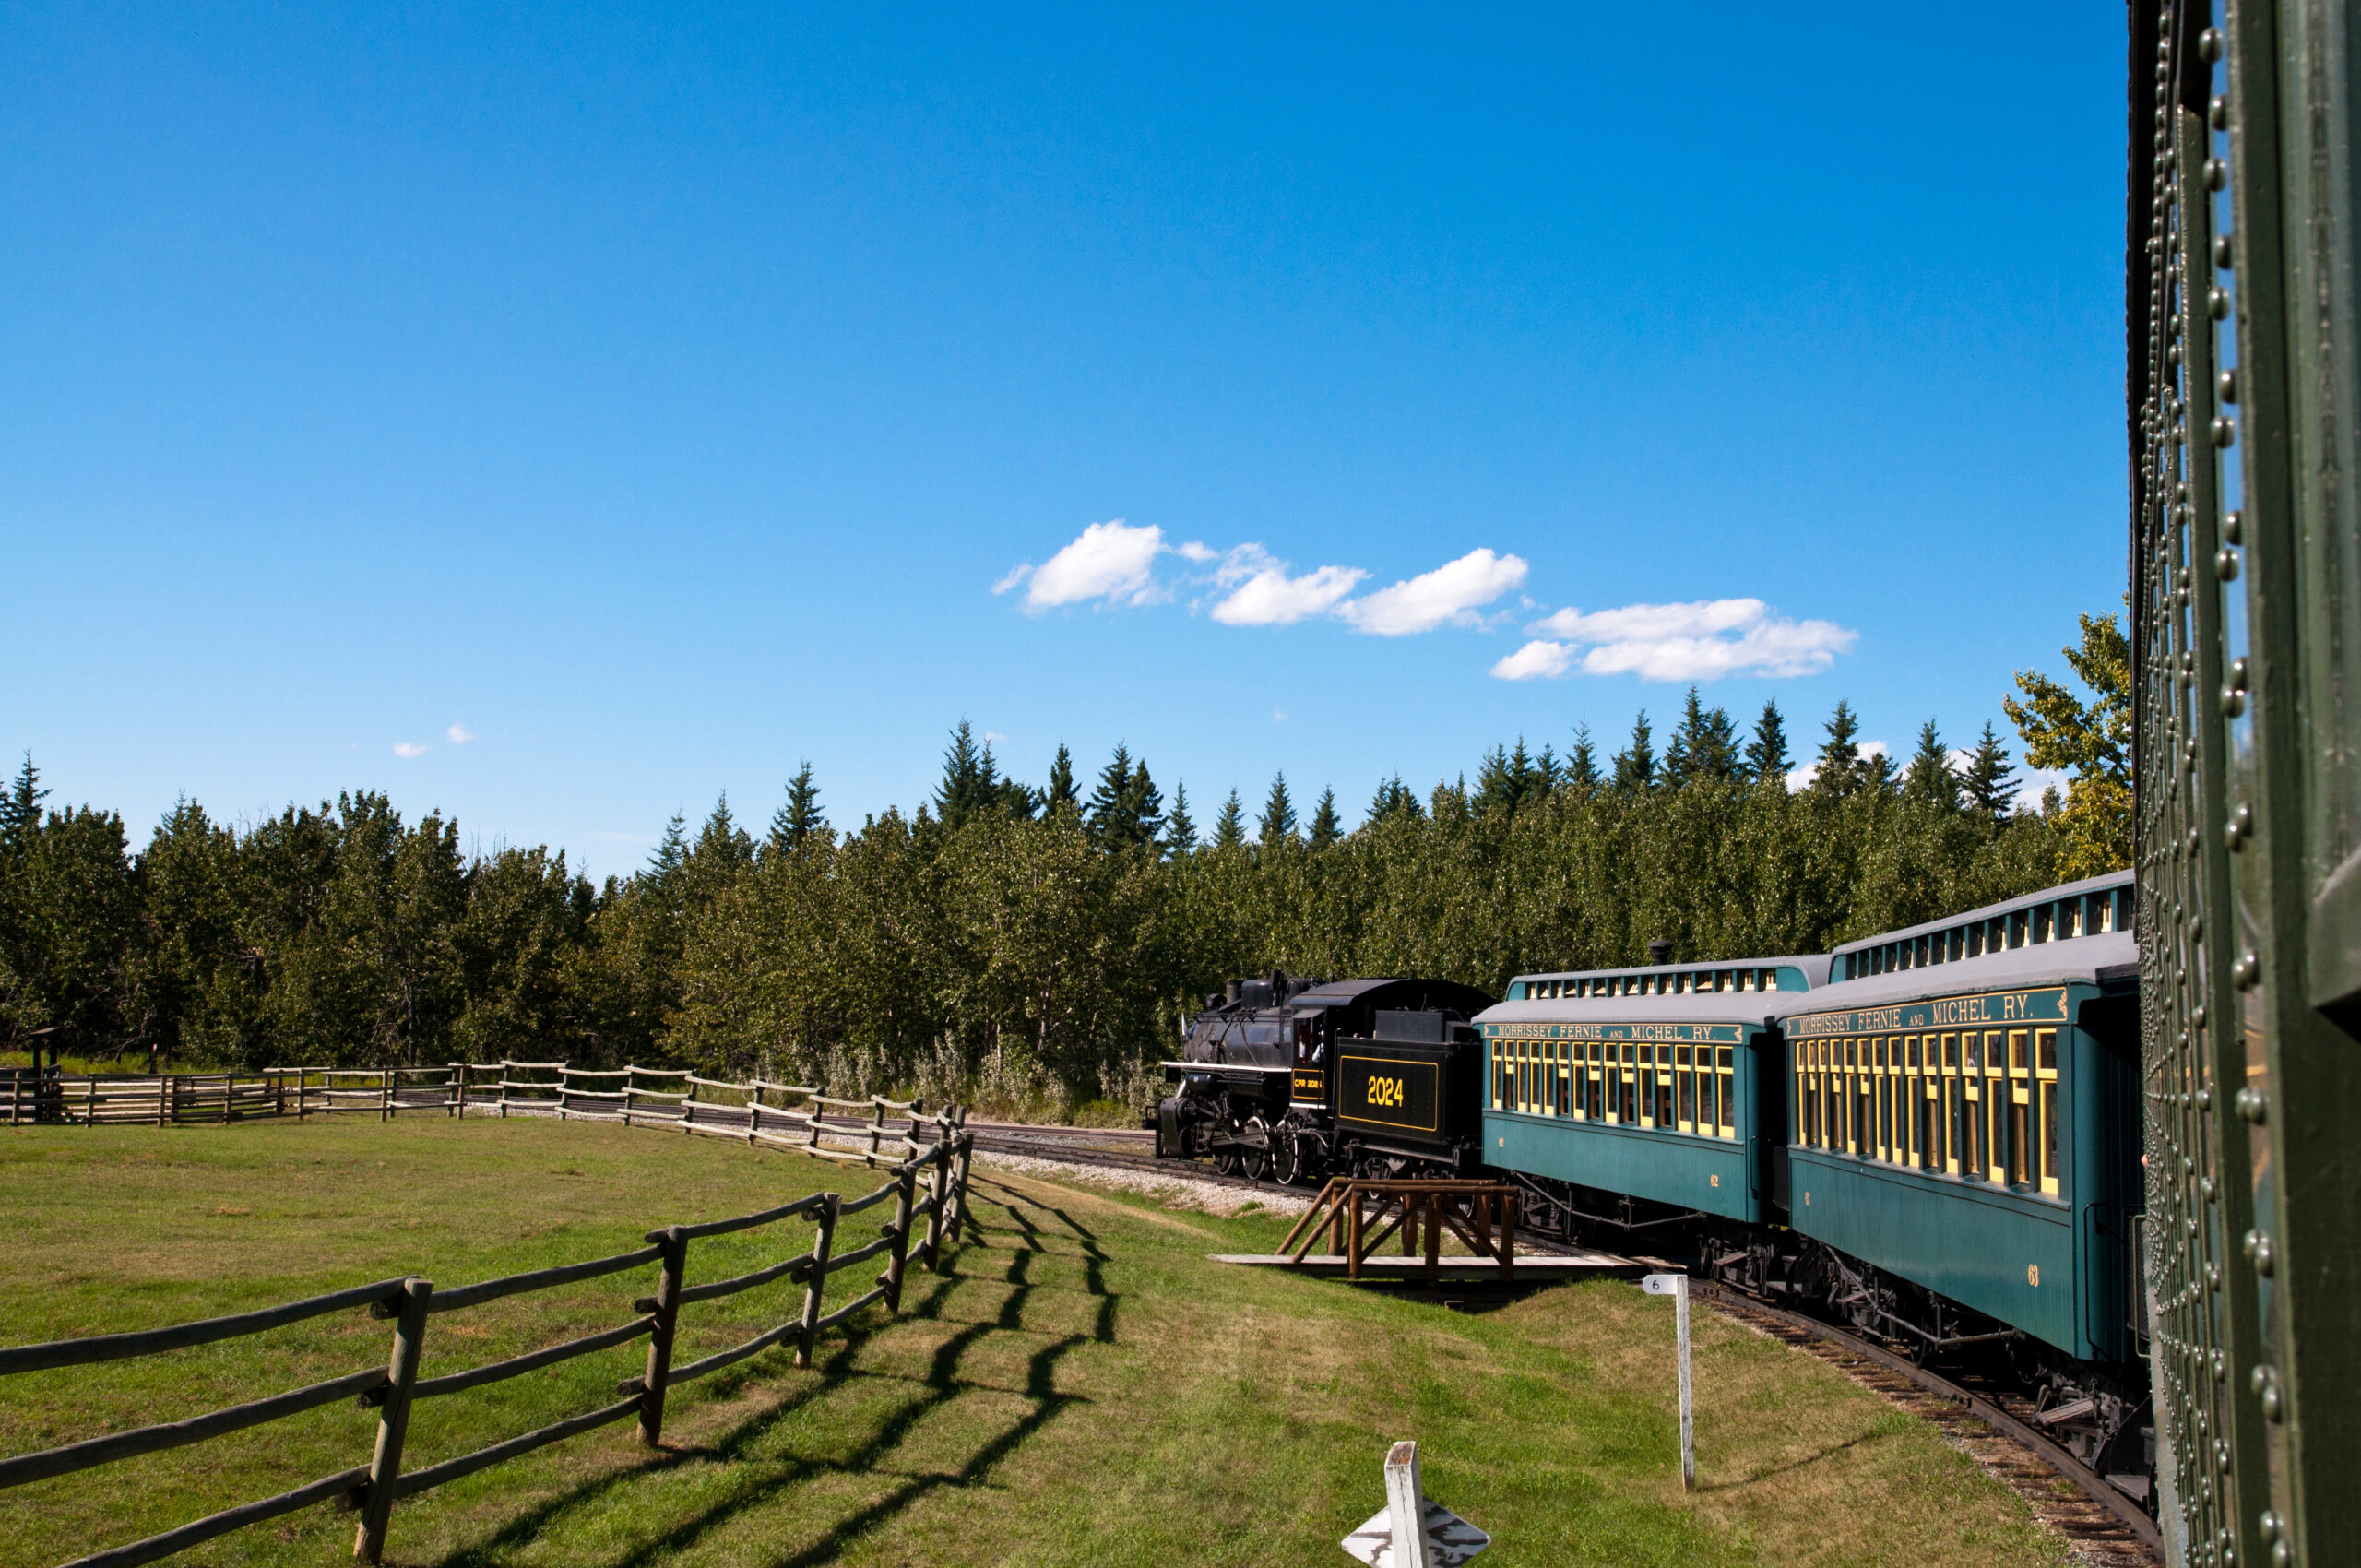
<point x="762" y="1476"/>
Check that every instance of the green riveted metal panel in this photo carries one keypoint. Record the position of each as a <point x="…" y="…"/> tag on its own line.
<point x="2243" y="359"/>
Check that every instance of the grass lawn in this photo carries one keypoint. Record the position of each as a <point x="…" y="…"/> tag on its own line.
<point x="1083" y="1388"/>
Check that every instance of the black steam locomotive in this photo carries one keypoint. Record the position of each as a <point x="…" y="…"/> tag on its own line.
<point x="1299" y="1079"/>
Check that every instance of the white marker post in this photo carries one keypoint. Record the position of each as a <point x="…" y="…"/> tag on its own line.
<point x="1677" y="1287"/>
<point x="1413" y="1530"/>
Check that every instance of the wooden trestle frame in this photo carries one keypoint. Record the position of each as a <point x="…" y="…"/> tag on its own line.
<point x="1357" y="1215"/>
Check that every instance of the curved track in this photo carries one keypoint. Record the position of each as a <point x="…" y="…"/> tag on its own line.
<point x="2106" y="1528"/>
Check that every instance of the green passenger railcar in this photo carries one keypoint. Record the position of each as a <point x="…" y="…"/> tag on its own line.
<point x="1970" y="1123"/>
<point x="1640" y="1097"/>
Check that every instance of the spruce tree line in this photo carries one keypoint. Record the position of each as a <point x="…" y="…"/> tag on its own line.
<point x="1001" y="932"/>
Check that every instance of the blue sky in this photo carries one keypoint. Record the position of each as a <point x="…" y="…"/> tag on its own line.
<point x="658" y="397"/>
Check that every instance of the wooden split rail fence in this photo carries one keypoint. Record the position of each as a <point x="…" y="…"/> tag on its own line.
<point x="756" y="1110"/>
<point x="374" y="1487"/>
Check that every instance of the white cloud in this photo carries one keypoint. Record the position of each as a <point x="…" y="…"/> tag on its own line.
<point x="994" y="736"/>
<point x="460" y="735"/>
<point x="1111" y="561"/>
<point x="1535" y="660"/>
<point x="1265" y="596"/>
<point x="408" y="748"/>
<point x="1450" y="594"/>
<point x="1699" y="641"/>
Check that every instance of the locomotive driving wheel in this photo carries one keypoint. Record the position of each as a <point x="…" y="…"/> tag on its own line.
<point x="1226" y="1159"/>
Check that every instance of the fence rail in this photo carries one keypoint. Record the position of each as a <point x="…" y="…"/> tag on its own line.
<point x="410" y="1302"/>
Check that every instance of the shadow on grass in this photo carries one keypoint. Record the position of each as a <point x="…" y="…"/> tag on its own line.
<point x="759" y="1479"/>
<point x="1808" y="1460"/>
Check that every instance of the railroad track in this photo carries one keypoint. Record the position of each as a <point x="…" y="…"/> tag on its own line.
<point x="2106" y="1528"/>
<point x="1114" y="1149"/>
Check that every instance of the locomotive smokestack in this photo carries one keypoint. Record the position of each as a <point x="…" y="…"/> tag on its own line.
<point x="1659" y="951"/>
<point x="1230" y="992"/>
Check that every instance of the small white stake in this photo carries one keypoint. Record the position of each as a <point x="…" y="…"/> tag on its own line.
<point x="1413" y="1530"/>
<point x="1406" y="1506"/>
<point x="1677" y="1287"/>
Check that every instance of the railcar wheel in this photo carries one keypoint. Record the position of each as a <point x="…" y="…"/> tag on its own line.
<point x="1256" y="1162"/>
<point x="1287" y="1157"/>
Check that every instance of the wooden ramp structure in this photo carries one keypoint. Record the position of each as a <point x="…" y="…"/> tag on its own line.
<point x="1356" y="1216"/>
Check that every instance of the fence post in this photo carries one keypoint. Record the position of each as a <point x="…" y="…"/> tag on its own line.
<point x="393" y="1419"/>
<point x="939" y="1186"/>
<point x="903" y="1201"/>
<point x="458" y="1091"/>
<point x="385" y="1095"/>
<point x="659" y="1343"/>
<point x="966" y="1153"/>
<point x="819" y="1249"/>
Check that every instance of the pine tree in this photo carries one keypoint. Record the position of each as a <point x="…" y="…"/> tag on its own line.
<point x="1277" y="821"/>
<point x="1325" y="829"/>
<point x="1060" y="793"/>
<point x="1929" y="776"/>
<point x="1705" y="746"/>
<point x="20" y="812"/>
<point x="1766" y="755"/>
<point x="970" y="778"/>
<point x="1142" y="805"/>
<point x="1581" y="762"/>
<point x="672" y="853"/>
<point x="1548" y="772"/>
<point x="1507" y="779"/>
<point x="1126" y="808"/>
<point x="1989" y="781"/>
<point x="1179" y="828"/>
<point x="1635" y="768"/>
<point x="1107" y="813"/>
<point x="1229" y="827"/>
<point x="1392" y="798"/>
<point x="793" y="823"/>
<point x="1840" y="770"/>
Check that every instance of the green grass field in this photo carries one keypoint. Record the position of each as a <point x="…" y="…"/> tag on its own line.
<point x="1082" y="1387"/>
